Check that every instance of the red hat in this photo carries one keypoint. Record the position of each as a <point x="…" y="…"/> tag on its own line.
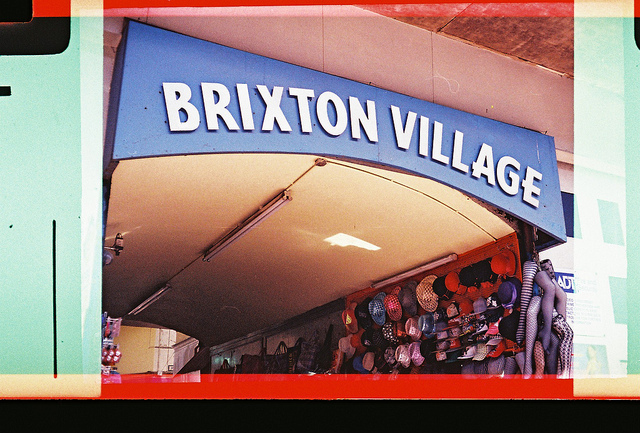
<point x="497" y="350"/>
<point x="452" y="281"/>
<point x="349" y="319"/>
<point x="393" y="306"/>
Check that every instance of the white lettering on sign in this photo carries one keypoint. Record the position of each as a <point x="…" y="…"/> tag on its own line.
<point x="176" y="99"/>
<point x="334" y="115"/>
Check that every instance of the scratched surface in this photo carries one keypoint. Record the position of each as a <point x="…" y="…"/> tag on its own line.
<point x="44" y="317"/>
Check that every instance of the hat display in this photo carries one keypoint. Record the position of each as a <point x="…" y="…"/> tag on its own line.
<point x="389" y="333"/>
<point x="507" y="294"/>
<point x="467" y="276"/>
<point x="378" y="340"/>
<point x="367" y="337"/>
<point x="481" y="352"/>
<point x="402" y="355"/>
<point x="426" y="347"/>
<point x="440" y="289"/>
<point x="415" y="354"/>
<point x="412" y="329"/>
<point x="357" y="364"/>
<point x="483" y="273"/>
<point x="479" y="305"/>
<point x="356" y="339"/>
<point x="493" y="302"/>
<point x="427" y="298"/>
<point x="362" y="314"/>
<point x="344" y="344"/>
<point x="390" y="356"/>
<point x="468" y="352"/>
<point x="452" y="281"/>
<point x="495" y="351"/>
<point x="349" y="319"/>
<point x="408" y="299"/>
<point x="368" y="360"/>
<point x="508" y="326"/>
<point x="377" y="310"/>
<point x="392" y="306"/>
<point x="453" y="310"/>
<point x="427" y="325"/>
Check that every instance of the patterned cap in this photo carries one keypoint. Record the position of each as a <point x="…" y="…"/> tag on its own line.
<point x="390" y="356"/>
<point x="362" y="314"/>
<point x="349" y="319"/>
<point x="367" y="337"/>
<point x="357" y="364"/>
<point x="425" y="294"/>
<point x="493" y="302"/>
<point x="378" y="339"/>
<point x="481" y="352"/>
<point x="468" y="352"/>
<point x="452" y="281"/>
<point x="495" y="351"/>
<point x="368" y="360"/>
<point x="393" y="307"/>
<point x="402" y="355"/>
<point x="412" y="329"/>
<point x="479" y="305"/>
<point x="389" y="333"/>
<point x="377" y="311"/>
<point x="344" y="344"/>
<point x="414" y="353"/>
<point x="408" y="299"/>
<point x="427" y="324"/>
<point x="453" y="310"/>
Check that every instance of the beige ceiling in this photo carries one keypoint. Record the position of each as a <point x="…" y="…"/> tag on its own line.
<point x="539" y="33"/>
<point x="170" y="210"/>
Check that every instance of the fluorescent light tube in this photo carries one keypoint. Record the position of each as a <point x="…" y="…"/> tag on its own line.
<point x="276" y="203"/>
<point x="150" y="300"/>
<point x="420" y="269"/>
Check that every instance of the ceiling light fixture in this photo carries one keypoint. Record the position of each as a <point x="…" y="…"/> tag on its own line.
<point x="150" y="300"/>
<point x="276" y="203"/>
<point x="420" y="269"/>
<point x="344" y="240"/>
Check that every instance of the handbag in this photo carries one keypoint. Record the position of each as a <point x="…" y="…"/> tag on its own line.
<point x="309" y="350"/>
<point x="324" y="354"/>
<point x="278" y="363"/>
<point x="253" y="364"/>
<point x="293" y="353"/>
<point x="225" y="368"/>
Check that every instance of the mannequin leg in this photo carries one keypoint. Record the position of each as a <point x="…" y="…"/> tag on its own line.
<point x="531" y="334"/>
<point x="548" y="299"/>
<point x="510" y="366"/>
<point x="529" y="271"/>
<point x="520" y="360"/>
<point x="561" y="297"/>
<point x="538" y="355"/>
<point x="566" y="344"/>
<point x="551" y="356"/>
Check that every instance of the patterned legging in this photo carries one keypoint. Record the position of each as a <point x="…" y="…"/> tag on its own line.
<point x="565" y="333"/>
<point x="532" y="333"/>
<point x="529" y="270"/>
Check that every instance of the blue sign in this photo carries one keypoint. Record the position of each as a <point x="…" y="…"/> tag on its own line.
<point x="179" y="95"/>
<point x="566" y="281"/>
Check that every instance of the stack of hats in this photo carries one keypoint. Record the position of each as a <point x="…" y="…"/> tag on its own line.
<point x="460" y="316"/>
